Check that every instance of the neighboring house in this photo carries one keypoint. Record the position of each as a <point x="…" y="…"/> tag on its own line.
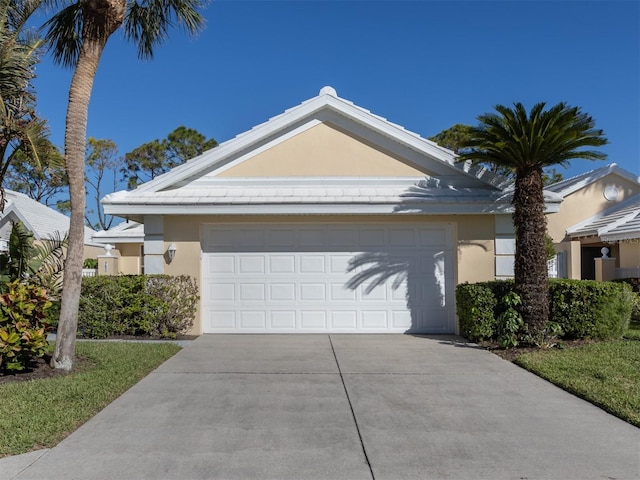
<point x="600" y="208"/>
<point x="326" y="218"/>
<point x="42" y="221"/>
<point x="127" y="238"/>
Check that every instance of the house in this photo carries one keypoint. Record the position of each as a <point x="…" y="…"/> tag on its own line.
<point x="127" y="240"/>
<point x="600" y="209"/>
<point x="325" y="218"/>
<point x="42" y="221"/>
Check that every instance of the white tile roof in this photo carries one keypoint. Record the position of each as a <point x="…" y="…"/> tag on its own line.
<point x="125" y="232"/>
<point x="621" y="222"/>
<point x="570" y="185"/>
<point x="43" y="221"/>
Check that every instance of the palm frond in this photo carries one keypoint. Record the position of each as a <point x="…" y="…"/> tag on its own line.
<point x="148" y="22"/>
<point x="47" y="263"/>
<point x="64" y="34"/>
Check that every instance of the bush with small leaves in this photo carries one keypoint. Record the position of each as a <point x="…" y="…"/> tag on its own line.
<point x="139" y="305"/>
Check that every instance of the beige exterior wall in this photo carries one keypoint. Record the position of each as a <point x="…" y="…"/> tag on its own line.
<point x="130" y="261"/>
<point x="475" y="240"/>
<point x="323" y="151"/>
<point x="92" y="252"/>
<point x="586" y="202"/>
<point x="629" y="254"/>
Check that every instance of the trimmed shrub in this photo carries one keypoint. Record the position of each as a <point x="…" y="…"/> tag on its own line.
<point x="578" y="309"/>
<point x="590" y="309"/>
<point x="138" y="305"/>
<point x="475" y="305"/>
<point x="23" y="325"/>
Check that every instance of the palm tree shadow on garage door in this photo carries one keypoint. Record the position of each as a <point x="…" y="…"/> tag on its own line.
<point x="423" y="283"/>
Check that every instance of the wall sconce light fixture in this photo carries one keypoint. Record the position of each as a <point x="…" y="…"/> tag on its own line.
<point x="172" y="251"/>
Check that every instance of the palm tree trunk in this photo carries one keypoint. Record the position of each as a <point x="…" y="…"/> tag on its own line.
<point x="102" y="18"/>
<point x="531" y="275"/>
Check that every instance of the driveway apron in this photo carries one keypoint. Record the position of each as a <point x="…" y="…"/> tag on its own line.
<point x="342" y="407"/>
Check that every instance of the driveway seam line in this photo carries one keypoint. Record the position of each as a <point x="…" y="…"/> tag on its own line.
<point x="353" y="413"/>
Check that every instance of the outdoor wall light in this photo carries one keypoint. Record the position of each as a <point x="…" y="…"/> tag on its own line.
<point x="172" y="251"/>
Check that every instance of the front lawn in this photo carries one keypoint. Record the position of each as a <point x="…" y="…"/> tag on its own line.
<point x="39" y="413"/>
<point x="606" y="373"/>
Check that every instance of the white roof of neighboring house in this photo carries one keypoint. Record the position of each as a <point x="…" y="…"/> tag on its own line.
<point x="621" y="222"/>
<point x="195" y="187"/>
<point x="125" y="232"/>
<point x="43" y="221"/>
<point x="573" y="184"/>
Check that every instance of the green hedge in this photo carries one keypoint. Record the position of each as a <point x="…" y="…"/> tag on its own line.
<point x="581" y="308"/>
<point x="140" y="305"/>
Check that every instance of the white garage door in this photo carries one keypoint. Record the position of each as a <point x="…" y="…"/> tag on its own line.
<point x="327" y="278"/>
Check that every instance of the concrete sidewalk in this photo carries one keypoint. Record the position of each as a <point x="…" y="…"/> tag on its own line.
<point x="340" y="407"/>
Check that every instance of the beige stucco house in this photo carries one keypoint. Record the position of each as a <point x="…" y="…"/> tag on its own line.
<point x="325" y="218"/>
<point x="600" y="209"/>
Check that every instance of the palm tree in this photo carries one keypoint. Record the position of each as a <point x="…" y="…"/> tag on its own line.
<point x="78" y="35"/>
<point x="21" y="131"/>
<point x="526" y="143"/>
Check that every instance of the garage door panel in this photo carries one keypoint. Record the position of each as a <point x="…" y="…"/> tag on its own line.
<point x="312" y="238"/>
<point x="387" y="278"/>
<point x="313" y="320"/>
<point x="344" y="319"/>
<point x="282" y="319"/>
<point x="224" y="264"/>
<point x="251" y="292"/>
<point x="282" y="264"/>
<point x="339" y="292"/>
<point x="282" y="292"/>
<point x="313" y="292"/>
<point x="312" y="264"/>
<point x="375" y="319"/>
<point x="222" y="292"/>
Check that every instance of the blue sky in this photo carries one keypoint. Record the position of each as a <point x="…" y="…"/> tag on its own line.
<point x="425" y="65"/>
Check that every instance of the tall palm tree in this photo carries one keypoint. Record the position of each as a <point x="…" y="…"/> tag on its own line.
<point x="526" y="143"/>
<point x="78" y="35"/>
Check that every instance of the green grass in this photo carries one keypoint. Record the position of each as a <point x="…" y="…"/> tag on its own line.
<point x="606" y="374"/>
<point x="40" y="413"/>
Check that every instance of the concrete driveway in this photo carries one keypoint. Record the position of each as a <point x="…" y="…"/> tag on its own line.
<point x="340" y="407"/>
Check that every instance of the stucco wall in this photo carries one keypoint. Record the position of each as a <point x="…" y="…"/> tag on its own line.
<point x="587" y="202"/>
<point x="130" y="261"/>
<point x="323" y="151"/>
<point x="629" y="254"/>
<point x="475" y="239"/>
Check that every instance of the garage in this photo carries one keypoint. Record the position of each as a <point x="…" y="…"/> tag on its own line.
<point x="321" y="278"/>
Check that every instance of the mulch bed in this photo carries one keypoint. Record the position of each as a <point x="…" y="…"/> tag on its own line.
<point x="40" y="369"/>
<point x="512" y="354"/>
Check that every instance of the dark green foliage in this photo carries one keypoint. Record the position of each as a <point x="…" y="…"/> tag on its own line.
<point x="141" y="305"/>
<point x="578" y="309"/>
<point x="586" y="308"/>
<point x="90" y="263"/>
<point x="509" y="324"/>
<point x="23" y="325"/>
<point x="475" y="307"/>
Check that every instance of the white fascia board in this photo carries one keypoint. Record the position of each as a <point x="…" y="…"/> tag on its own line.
<point x="311" y="209"/>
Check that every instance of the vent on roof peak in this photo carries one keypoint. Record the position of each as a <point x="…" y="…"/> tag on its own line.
<point x="328" y="91"/>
